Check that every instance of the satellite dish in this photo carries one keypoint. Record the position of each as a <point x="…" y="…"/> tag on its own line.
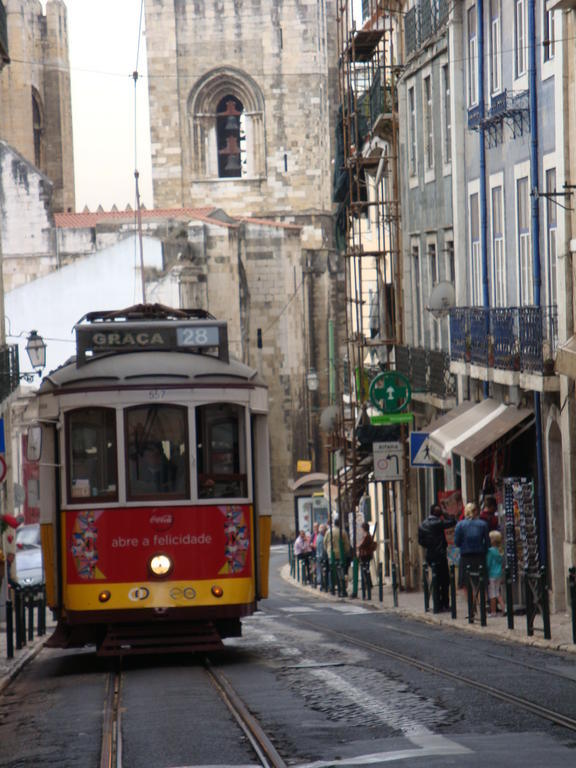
<point x="441" y="299"/>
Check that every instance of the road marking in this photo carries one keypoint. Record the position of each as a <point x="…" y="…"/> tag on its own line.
<point x="299" y="609"/>
<point x="432" y="746"/>
<point x="356" y="609"/>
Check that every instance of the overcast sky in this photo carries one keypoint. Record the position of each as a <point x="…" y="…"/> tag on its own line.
<point x="103" y="55"/>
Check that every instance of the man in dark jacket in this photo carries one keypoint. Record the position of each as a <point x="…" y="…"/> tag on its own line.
<point x="431" y="535"/>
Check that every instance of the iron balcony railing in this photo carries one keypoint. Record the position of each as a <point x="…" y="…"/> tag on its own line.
<point x="422" y="21"/>
<point x="9" y="370"/>
<point x="511" y="338"/>
<point x="428" y="370"/>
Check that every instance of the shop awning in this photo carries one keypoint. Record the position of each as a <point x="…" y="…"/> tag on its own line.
<point x="566" y="358"/>
<point x="471" y="432"/>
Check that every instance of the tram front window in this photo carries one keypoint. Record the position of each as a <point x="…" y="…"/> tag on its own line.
<point x="157" y="452"/>
<point x="91" y="434"/>
<point x="221" y="452"/>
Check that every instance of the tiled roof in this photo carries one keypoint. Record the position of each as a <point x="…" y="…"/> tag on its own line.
<point x="92" y="219"/>
<point x="88" y="219"/>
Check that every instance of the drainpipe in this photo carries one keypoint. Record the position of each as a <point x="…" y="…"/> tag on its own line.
<point x="534" y="180"/>
<point x="483" y="213"/>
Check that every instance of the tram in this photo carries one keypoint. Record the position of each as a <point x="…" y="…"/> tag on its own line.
<point x="153" y="459"/>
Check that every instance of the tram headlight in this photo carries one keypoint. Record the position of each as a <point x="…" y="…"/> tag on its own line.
<point x="160" y="565"/>
<point x="217" y="591"/>
<point x="104" y="596"/>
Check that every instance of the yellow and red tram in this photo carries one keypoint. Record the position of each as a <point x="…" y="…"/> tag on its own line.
<point x="154" y="484"/>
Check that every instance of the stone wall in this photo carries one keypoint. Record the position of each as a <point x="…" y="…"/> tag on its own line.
<point x="38" y="47"/>
<point x="26" y="221"/>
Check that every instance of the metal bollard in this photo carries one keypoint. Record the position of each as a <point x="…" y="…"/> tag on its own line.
<point x="572" y="590"/>
<point x="30" y="606"/>
<point x="509" y="599"/>
<point x="434" y="587"/>
<point x="470" y="594"/>
<point x="426" y="587"/>
<point x="354" y="577"/>
<point x="9" y="630"/>
<point x="453" y="590"/>
<point x="41" y="622"/>
<point x="482" y="594"/>
<point x="394" y="585"/>
<point x="19" y="625"/>
<point x="545" y="604"/>
<point x="291" y="560"/>
<point x="381" y="584"/>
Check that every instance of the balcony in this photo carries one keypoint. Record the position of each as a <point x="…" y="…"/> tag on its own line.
<point x="515" y="339"/>
<point x="427" y="370"/>
<point x="4" y="57"/>
<point x="422" y="21"/>
<point x="9" y="370"/>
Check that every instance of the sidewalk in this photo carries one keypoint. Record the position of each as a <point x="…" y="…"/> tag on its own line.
<point x="9" y="668"/>
<point x="411" y="604"/>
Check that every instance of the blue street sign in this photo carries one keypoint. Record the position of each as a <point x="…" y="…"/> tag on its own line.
<point x="420" y="455"/>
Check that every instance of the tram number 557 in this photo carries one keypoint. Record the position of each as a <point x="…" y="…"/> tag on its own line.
<point x="157" y="394"/>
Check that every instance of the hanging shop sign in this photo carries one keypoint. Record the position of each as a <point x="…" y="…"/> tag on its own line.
<point x="390" y="392"/>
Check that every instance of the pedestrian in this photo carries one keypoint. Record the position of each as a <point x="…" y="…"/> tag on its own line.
<point x="321" y="559"/>
<point x="366" y="549"/>
<point x="303" y="553"/>
<point x="490" y="513"/>
<point x="494" y="561"/>
<point x="432" y="536"/>
<point x="471" y="536"/>
<point x="337" y="548"/>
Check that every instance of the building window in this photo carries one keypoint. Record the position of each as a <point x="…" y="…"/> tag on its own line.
<point x="551" y="228"/>
<point x="475" y="250"/>
<point x="524" y="241"/>
<point x="428" y="129"/>
<point x="548" y="34"/>
<point x="520" y="38"/>
<point x="498" y="257"/>
<point x="231" y="138"/>
<point x="450" y="265"/>
<point x="495" y="54"/>
<point x="472" y="57"/>
<point x="226" y="114"/>
<point x="433" y="276"/>
<point x="38" y="129"/>
<point x="412" y="131"/>
<point x="447" y="113"/>
<point x="417" y="308"/>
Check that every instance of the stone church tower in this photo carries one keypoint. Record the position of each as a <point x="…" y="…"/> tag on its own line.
<point x="35" y="96"/>
<point x="243" y="99"/>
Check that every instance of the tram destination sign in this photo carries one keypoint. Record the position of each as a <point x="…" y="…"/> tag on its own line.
<point x="95" y="339"/>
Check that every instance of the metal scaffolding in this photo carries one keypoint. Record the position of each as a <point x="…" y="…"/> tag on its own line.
<point x="368" y="225"/>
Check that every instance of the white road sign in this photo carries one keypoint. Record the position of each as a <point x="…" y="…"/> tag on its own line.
<point x="388" y="460"/>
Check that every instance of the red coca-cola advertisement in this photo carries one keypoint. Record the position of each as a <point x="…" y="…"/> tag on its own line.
<point x="117" y="544"/>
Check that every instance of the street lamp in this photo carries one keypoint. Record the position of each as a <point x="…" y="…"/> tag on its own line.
<point x="36" y="349"/>
<point x="312" y="380"/>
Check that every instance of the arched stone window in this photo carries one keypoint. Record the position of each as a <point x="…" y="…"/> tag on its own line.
<point x="226" y="118"/>
<point x="38" y="129"/>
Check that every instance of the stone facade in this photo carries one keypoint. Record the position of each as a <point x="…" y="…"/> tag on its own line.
<point x="26" y="220"/>
<point x="273" y="67"/>
<point x="35" y="97"/>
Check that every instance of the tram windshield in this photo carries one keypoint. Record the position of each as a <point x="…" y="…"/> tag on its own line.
<point x="221" y="451"/>
<point x="157" y="452"/>
<point x="92" y="454"/>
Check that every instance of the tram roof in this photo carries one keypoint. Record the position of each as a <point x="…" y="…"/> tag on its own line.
<point x="154" y="367"/>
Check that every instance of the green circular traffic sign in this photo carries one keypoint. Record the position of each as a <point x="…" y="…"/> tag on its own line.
<point x="390" y="392"/>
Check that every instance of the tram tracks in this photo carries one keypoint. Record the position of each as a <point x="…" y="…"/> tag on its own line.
<point x="111" y="744"/>
<point x="552" y="716"/>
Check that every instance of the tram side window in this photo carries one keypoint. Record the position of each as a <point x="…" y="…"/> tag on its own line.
<point x="157" y="452"/>
<point x="221" y="451"/>
<point x="91" y="451"/>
